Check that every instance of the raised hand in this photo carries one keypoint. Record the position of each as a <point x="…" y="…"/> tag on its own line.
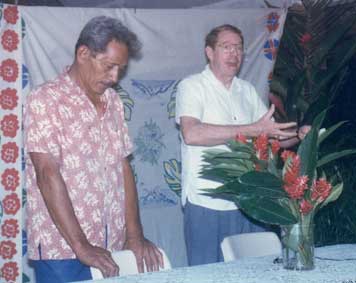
<point x="266" y="125"/>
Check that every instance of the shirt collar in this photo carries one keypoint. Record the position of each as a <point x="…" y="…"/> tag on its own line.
<point x="235" y="85"/>
<point x="72" y="84"/>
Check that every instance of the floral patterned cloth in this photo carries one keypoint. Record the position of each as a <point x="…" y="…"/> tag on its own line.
<point x="61" y="120"/>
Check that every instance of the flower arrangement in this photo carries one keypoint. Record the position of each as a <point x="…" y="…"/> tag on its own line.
<point x="283" y="189"/>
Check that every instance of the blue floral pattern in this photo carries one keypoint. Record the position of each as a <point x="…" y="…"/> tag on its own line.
<point x="156" y="196"/>
<point x="152" y="129"/>
<point x="172" y="175"/>
<point x="151" y="88"/>
<point x="149" y="143"/>
<point x="126" y="100"/>
<point x="171" y="106"/>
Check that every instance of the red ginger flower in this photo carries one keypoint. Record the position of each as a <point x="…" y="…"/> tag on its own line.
<point x="320" y="190"/>
<point x="261" y="147"/>
<point x="297" y="188"/>
<point x="292" y="170"/>
<point x="305" y="207"/>
<point x="275" y="146"/>
<point x="286" y="154"/>
<point x="241" y="138"/>
<point x="305" y="38"/>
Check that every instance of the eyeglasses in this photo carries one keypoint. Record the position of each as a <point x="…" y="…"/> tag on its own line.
<point x="230" y="48"/>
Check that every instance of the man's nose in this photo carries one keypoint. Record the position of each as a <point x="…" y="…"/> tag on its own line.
<point x="114" y="74"/>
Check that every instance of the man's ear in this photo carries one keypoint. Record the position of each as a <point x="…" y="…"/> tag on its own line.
<point x="83" y="53"/>
<point x="209" y="52"/>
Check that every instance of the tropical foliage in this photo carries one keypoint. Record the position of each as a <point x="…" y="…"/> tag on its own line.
<point x="318" y="42"/>
<point x="316" y="56"/>
<point x="253" y="179"/>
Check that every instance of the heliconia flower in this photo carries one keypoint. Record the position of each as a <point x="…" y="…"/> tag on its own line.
<point x="275" y="146"/>
<point x="305" y="207"/>
<point x="286" y="154"/>
<point x="296" y="189"/>
<point x="305" y="38"/>
<point x="241" y="138"/>
<point x="261" y="147"/>
<point x="292" y="168"/>
<point x="320" y="190"/>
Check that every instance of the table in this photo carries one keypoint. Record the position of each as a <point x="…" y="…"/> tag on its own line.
<point x="333" y="264"/>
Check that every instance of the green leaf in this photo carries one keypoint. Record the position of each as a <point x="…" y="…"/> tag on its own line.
<point x="308" y="149"/>
<point x="237" y="188"/>
<point x="240" y="147"/>
<point x="260" y="179"/>
<point x="221" y="175"/>
<point x="334" y="195"/>
<point x="329" y="131"/>
<point x="265" y="209"/>
<point x="333" y="156"/>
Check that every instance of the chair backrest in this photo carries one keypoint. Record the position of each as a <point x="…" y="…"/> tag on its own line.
<point x="126" y="260"/>
<point x="250" y="245"/>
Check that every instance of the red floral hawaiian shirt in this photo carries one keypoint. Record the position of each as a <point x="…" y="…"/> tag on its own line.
<point x="61" y="120"/>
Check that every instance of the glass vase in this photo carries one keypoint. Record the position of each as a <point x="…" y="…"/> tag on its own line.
<point x="298" y="246"/>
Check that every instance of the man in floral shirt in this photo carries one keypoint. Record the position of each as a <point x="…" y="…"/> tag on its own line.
<point x="82" y="199"/>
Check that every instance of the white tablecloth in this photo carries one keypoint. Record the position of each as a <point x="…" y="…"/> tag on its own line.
<point x="333" y="264"/>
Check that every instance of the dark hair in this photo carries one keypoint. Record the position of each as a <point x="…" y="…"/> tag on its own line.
<point x="212" y="36"/>
<point x="101" y="30"/>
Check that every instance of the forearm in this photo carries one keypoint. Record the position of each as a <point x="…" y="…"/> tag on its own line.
<point x="59" y="205"/>
<point x="132" y="215"/>
<point x="195" y="132"/>
<point x="62" y="213"/>
<point x="204" y="134"/>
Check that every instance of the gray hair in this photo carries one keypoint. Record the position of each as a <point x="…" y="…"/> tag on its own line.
<point x="212" y="37"/>
<point x="101" y="30"/>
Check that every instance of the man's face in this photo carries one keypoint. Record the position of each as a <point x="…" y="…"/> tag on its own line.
<point x="103" y="70"/>
<point x="226" y="57"/>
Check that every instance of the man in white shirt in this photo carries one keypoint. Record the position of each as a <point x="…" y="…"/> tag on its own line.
<point x="212" y="107"/>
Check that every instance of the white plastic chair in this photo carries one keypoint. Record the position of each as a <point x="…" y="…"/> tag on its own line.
<point x="250" y="245"/>
<point x="126" y="260"/>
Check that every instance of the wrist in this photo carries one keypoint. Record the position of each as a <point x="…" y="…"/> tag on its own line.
<point x="80" y="246"/>
<point x="133" y="235"/>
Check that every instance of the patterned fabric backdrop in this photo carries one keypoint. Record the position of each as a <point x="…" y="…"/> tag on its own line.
<point x="173" y="41"/>
<point x="10" y="144"/>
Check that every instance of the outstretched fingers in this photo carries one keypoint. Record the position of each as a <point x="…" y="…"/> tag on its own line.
<point x="283" y="126"/>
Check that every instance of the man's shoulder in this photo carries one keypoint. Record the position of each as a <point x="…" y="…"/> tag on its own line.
<point x="48" y="89"/>
<point x="243" y="83"/>
<point x="193" y="77"/>
<point x="113" y="95"/>
<point x="193" y="80"/>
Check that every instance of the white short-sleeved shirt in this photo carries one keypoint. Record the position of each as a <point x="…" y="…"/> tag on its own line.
<point x="204" y="97"/>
